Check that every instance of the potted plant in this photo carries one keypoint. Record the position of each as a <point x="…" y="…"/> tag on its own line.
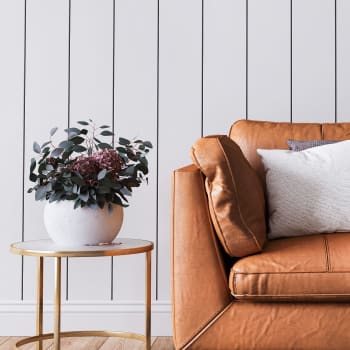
<point x="86" y="181"/>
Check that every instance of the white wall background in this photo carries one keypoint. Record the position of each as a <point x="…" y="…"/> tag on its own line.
<point x="164" y="70"/>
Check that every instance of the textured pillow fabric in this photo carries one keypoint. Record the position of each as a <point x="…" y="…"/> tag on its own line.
<point x="235" y="193"/>
<point x="296" y="145"/>
<point x="309" y="191"/>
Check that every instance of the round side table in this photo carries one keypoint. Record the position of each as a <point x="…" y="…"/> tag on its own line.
<point x="46" y="248"/>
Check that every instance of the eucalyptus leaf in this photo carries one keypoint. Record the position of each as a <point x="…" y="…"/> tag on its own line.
<point x="104" y="145"/>
<point x="56" y="152"/>
<point x="84" y="196"/>
<point x="101" y="175"/>
<point x="82" y="122"/>
<point x="148" y="144"/>
<point x="53" y="131"/>
<point x="79" y="148"/>
<point x="49" y="167"/>
<point x="36" y="147"/>
<point x="32" y="165"/>
<point x="65" y="144"/>
<point x="40" y="193"/>
<point x="45" y="144"/>
<point x="77" y="203"/>
<point x="106" y="133"/>
<point x="33" y="177"/>
<point x="77" y="140"/>
<point x="124" y="141"/>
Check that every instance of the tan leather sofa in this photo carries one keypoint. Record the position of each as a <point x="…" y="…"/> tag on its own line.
<point x="295" y="294"/>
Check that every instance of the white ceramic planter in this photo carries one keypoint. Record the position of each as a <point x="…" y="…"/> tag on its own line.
<point x="67" y="226"/>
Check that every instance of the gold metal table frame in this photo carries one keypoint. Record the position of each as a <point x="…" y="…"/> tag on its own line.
<point x="46" y="248"/>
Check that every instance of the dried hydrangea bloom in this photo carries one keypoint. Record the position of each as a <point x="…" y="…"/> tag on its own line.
<point x="108" y="159"/>
<point x="86" y="166"/>
<point x="89" y="166"/>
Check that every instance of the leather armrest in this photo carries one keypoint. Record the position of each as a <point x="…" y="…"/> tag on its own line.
<point x="199" y="282"/>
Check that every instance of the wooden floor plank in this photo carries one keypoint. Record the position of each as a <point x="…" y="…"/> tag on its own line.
<point x="92" y="343"/>
<point x="11" y="341"/>
<point x="82" y="343"/>
<point x="3" y="340"/>
<point x="124" y="344"/>
<point x="163" y="343"/>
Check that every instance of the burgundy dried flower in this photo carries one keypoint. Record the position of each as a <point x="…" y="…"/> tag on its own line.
<point x="86" y="166"/>
<point x="108" y="159"/>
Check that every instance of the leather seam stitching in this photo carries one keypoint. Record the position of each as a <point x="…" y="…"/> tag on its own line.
<point x="234" y="283"/>
<point x="327" y="254"/>
<point x="203" y="329"/>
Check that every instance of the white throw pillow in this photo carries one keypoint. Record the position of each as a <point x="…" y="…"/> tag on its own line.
<point x="309" y="191"/>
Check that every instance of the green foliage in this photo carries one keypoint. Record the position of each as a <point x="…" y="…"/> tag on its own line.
<point x="58" y="176"/>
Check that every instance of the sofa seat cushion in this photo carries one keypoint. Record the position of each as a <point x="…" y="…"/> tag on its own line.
<point x="310" y="268"/>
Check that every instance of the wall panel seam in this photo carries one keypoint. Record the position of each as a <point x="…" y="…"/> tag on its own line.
<point x="68" y="110"/>
<point x="335" y="63"/>
<point x="24" y="133"/>
<point x="157" y="154"/>
<point x="113" y="124"/>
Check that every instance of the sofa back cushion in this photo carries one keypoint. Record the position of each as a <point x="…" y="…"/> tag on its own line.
<point x="251" y="135"/>
<point x="236" y="196"/>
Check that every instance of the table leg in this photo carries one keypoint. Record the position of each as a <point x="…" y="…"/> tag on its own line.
<point x="148" y="301"/>
<point x="39" y="301"/>
<point x="57" y="325"/>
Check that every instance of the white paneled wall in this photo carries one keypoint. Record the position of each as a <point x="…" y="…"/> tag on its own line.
<point x="269" y="52"/>
<point x="343" y="60"/>
<point x="313" y="60"/>
<point x="136" y="115"/>
<point x="11" y="143"/>
<point x="180" y="116"/>
<point x="163" y="70"/>
<point x="45" y="106"/>
<point x="224" y="64"/>
<point x="91" y="96"/>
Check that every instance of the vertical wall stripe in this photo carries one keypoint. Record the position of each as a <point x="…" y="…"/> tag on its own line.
<point x="24" y="132"/>
<point x="291" y="61"/>
<point x="202" y="71"/>
<point x="68" y="109"/>
<point x="246" y="59"/>
<point x="157" y="156"/>
<point x="69" y="49"/>
<point x="335" y="63"/>
<point x="113" y="122"/>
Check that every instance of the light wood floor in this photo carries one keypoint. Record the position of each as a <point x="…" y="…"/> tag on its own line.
<point x="92" y="343"/>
